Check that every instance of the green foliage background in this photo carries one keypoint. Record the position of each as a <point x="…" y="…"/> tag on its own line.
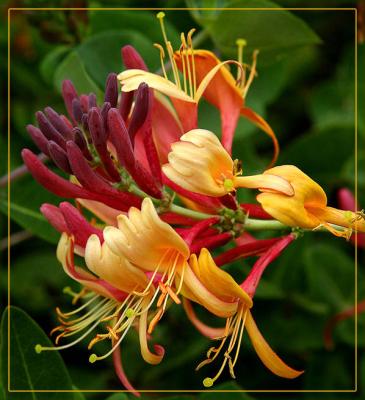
<point x="305" y="90"/>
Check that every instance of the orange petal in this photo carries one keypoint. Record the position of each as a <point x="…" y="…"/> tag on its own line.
<point x="266" y="354"/>
<point x="266" y="182"/>
<point x="263" y="125"/>
<point x="229" y="100"/>
<point x="165" y="126"/>
<point x="147" y="355"/>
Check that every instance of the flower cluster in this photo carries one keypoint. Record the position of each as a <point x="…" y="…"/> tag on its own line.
<point x="128" y="158"/>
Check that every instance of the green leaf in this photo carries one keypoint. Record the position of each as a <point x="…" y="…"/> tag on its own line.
<point x="329" y="281"/>
<point x="29" y="370"/>
<point x="233" y="386"/>
<point x="51" y="62"/>
<point x="26" y="198"/>
<point x="205" y="12"/>
<point x="117" y="396"/>
<point x="38" y="268"/>
<point x="73" y="68"/>
<point x="100" y="54"/>
<point x="260" y="29"/>
<point x="141" y="21"/>
<point x="321" y="154"/>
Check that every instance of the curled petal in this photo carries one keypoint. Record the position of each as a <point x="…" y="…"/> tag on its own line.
<point x="147" y="355"/>
<point x="266" y="354"/>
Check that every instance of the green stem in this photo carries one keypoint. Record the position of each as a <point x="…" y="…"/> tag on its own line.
<point x="189" y="213"/>
<point x="254" y="225"/>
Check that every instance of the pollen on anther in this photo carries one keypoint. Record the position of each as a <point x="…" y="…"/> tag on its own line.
<point x="93" y="358"/>
<point x="38" y="348"/>
<point x="160" y="15"/>
<point x="208" y="382"/>
<point x="129" y="313"/>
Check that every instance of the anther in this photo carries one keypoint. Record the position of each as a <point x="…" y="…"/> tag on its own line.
<point x="129" y="313"/>
<point x="208" y="382"/>
<point x="38" y="348"/>
<point x="155" y="320"/>
<point x="173" y="295"/>
<point x="93" y="358"/>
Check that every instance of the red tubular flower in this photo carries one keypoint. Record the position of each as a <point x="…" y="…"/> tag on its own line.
<point x="67" y="218"/>
<point x="38" y="138"/>
<point x="63" y="188"/>
<point x="251" y="248"/>
<point x="59" y="156"/>
<point x="111" y="90"/>
<point x="255" y="211"/>
<point x="190" y="234"/>
<point x="211" y="242"/>
<point x="249" y="285"/>
<point x="55" y="217"/>
<point x="119" y="136"/>
<point x="59" y="123"/>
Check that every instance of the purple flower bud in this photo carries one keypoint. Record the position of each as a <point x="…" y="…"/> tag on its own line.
<point x="81" y="142"/>
<point x="59" y="157"/>
<point x="92" y="100"/>
<point x="126" y="104"/>
<point x="84" y="101"/>
<point x="85" y="122"/>
<point x="77" y="110"/>
<point x="38" y="138"/>
<point x="68" y="94"/>
<point x="119" y="136"/>
<point x="49" y="131"/>
<point x="140" y="111"/>
<point x="56" y="120"/>
<point x="82" y="170"/>
<point x="111" y="90"/>
<point x="96" y="126"/>
<point x="104" y="114"/>
<point x="132" y="59"/>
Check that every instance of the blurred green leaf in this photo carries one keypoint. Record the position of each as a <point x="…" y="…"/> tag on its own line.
<point x="73" y="68"/>
<point x="329" y="281"/>
<point x="203" y="16"/>
<point x="230" y="386"/>
<point x="29" y="370"/>
<point x="38" y="268"/>
<point x="117" y="396"/>
<point x="321" y="154"/>
<point x="260" y="29"/>
<point x="26" y="198"/>
<point x="100" y="54"/>
<point x="140" y="20"/>
<point x="51" y="62"/>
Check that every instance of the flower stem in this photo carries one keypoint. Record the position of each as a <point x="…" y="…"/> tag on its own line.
<point x="261" y="225"/>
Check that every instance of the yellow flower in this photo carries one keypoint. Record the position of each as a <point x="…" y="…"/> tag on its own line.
<point x="308" y="207"/>
<point x="222" y="285"/>
<point x="199" y="163"/>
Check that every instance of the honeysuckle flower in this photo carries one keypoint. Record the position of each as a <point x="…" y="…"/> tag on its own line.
<point x="149" y="244"/>
<point x="307" y="208"/>
<point x="199" y="163"/>
<point x="223" y="286"/>
<point x="203" y="75"/>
